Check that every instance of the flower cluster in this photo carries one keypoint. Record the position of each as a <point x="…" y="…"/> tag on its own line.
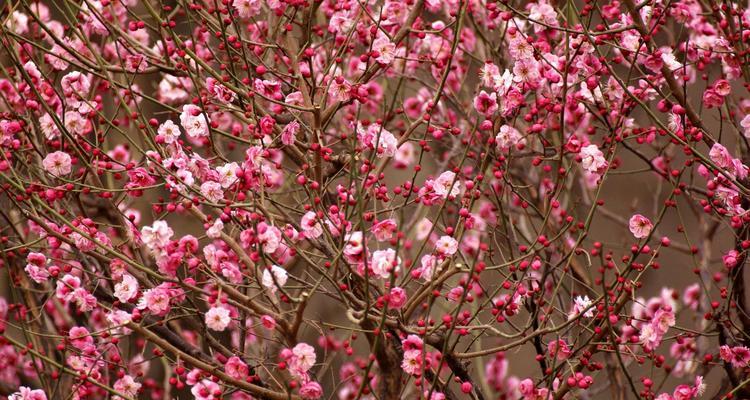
<point x="308" y="199"/>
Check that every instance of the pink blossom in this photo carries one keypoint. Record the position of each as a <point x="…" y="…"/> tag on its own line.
<point x="731" y="258"/>
<point x="738" y="356"/>
<point x="289" y="133"/>
<point x="236" y="368"/>
<point x="640" y="226"/>
<point x="212" y="191"/>
<point x="247" y="8"/>
<point x="446" y="246"/>
<point x="592" y="159"/>
<point x="302" y="359"/>
<point x="57" y="163"/>
<point x="274" y="278"/>
<point x="219" y="92"/>
<point x="126" y="289"/>
<point x="559" y="349"/>
<point x="354" y="247"/>
<point x="486" y="104"/>
<point x="385" y="48"/>
<point x="582" y="304"/>
<point x="36" y="267"/>
<point x="205" y="390"/>
<point x="127" y="386"/>
<point x="25" y="393"/>
<point x="383" y="262"/>
<point x="508" y="137"/>
<point x="692" y="295"/>
<point x="311" y="390"/>
<point x="397" y="298"/>
<point x="194" y="121"/>
<point x="156" y="300"/>
<point x="412" y="362"/>
<point x="446" y="185"/>
<point x="311" y="228"/>
<point x="217" y="318"/>
<point x="268" y="322"/>
<point x="80" y="338"/>
<point x="745" y="124"/>
<point x="720" y="156"/>
<point x="383" y="230"/>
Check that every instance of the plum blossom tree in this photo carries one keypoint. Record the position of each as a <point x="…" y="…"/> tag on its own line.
<point x="382" y="199"/>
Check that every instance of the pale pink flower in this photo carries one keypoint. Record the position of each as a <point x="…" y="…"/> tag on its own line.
<point x="663" y="319"/>
<point x="83" y="300"/>
<point x="581" y="303"/>
<point x="18" y="22"/>
<point x="382" y="262"/>
<point x="446" y="185"/>
<point x="217" y="318"/>
<point x="383" y="230"/>
<point x="289" y="133"/>
<point x="127" y="386"/>
<point x="168" y="132"/>
<point x="36" y="267"/>
<point x="80" y="338"/>
<point x="38" y="274"/>
<point x="405" y="155"/>
<point x="446" y="246"/>
<point x="247" y="8"/>
<point x="219" y="92"/>
<point x="49" y="127"/>
<point x="65" y="287"/>
<point x="310" y="225"/>
<point x="75" y="83"/>
<point x="385" y="48"/>
<point x="387" y="144"/>
<point x="354" y="247"/>
<point x="173" y="89"/>
<point x="76" y="123"/>
<point x="640" y="226"/>
<point x="57" y="163"/>
<point x="269" y="237"/>
<point x="745" y="124"/>
<point x="456" y="294"/>
<point x="228" y="174"/>
<point x="507" y="137"/>
<point x="424" y="227"/>
<point x="412" y="362"/>
<point x="592" y="159"/>
<point x="205" y="390"/>
<point x="214" y="231"/>
<point x="340" y="89"/>
<point x="559" y="349"/>
<point x="126" y="289"/>
<point x="274" y="278"/>
<point x="650" y="337"/>
<point x="691" y="297"/>
<point x="302" y="359"/>
<point x="156" y="236"/>
<point x="194" y="121"/>
<point x="428" y="265"/>
<point x="720" y="156"/>
<point x="156" y="300"/>
<point x="25" y="393"/>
